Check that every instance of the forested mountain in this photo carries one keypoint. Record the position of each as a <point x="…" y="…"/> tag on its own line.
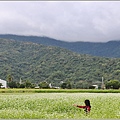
<point x="36" y="62"/>
<point x="108" y="49"/>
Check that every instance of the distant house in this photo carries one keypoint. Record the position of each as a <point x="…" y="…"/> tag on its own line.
<point x="4" y="83"/>
<point x="96" y="86"/>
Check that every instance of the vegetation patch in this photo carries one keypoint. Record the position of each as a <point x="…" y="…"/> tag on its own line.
<point x="59" y="91"/>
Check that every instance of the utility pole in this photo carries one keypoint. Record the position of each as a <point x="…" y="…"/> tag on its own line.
<point x="102" y="85"/>
<point x="20" y="81"/>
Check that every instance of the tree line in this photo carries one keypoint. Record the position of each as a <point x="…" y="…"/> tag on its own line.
<point x="112" y="84"/>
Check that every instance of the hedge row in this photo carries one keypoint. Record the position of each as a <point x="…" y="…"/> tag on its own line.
<point x="59" y="91"/>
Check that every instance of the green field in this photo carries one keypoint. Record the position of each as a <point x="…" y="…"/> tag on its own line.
<point x="58" y="105"/>
<point x="59" y="90"/>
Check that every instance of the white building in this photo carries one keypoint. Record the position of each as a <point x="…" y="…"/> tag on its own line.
<point x="4" y="83"/>
<point x="96" y="86"/>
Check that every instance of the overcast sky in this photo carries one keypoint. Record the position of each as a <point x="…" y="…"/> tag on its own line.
<point x="94" y="21"/>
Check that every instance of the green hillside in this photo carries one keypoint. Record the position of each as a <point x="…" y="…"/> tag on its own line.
<point x="36" y="62"/>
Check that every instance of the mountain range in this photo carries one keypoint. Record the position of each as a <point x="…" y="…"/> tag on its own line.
<point x="109" y="49"/>
<point x="37" y="62"/>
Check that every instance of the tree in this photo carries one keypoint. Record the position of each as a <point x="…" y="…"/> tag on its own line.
<point x="64" y="85"/>
<point x="9" y="78"/>
<point x="82" y="85"/>
<point x="44" y="85"/>
<point x="112" y="84"/>
<point x="0" y="85"/>
<point x="28" y="84"/>
<point x="69" y="86"/>
<point x="12" y="84"/>
<point x="22" y="86"/>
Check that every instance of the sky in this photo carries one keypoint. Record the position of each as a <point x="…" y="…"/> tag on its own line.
<point x="93" y="21"/>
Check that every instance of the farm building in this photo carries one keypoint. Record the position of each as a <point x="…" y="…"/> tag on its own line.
<point x="4" y="83"/>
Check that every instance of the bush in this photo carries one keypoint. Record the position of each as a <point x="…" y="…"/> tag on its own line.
<point x="113" y="84"/>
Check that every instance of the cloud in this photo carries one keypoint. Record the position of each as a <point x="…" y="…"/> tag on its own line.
<point x="96" y="21"/>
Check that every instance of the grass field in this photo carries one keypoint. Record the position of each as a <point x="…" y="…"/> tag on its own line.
<point x="59" y="91"/>
<point x="58" y="105"/>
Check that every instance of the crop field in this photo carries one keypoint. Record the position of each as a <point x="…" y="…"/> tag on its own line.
<point x="58" y="105"/>
<point x="59" y="91"/>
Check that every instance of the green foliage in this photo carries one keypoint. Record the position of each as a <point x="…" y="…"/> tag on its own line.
<point x="21" y="86"/>
<point x="82" y="85"/>
<point x="44" y="85"/>
<point x="25" y="90"/>
<point x="28" y="84"/>
<point x="113" y="84"/>
<point x="0" y="85"/>
<point x="9" y="78"/>
<point x="38" y="63"/>
<point x="65" y="85"/>
<point x="12" y="84"/>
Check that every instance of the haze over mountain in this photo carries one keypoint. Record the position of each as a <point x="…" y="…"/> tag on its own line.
<point x="103" y="49"/>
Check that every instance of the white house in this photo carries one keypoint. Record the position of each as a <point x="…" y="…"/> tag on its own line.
<point x="96" y="86"/>
<point x="4" y="83"/>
